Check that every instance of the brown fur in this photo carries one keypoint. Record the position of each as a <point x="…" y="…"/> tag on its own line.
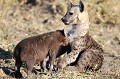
<point x="35" y="49"/>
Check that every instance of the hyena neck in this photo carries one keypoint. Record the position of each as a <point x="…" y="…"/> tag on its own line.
<point x="78" y="29"/>
<point x="82" y="25"/>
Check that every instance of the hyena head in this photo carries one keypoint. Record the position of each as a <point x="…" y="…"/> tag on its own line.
<point x="74" y="13"/>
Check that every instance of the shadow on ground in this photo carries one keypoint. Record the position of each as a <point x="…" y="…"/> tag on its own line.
<point x="6" y="63"/>
<point x="5" y="54"/>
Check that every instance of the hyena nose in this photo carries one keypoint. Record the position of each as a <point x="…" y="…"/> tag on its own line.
<point x="63" y="19"/>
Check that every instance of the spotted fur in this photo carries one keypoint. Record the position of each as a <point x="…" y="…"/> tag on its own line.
<point x="84" y="49"/>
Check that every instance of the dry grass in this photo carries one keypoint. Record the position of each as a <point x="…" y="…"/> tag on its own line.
<point x="18" y="21"/>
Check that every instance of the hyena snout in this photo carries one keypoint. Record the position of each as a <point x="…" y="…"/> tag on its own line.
<point x="64" y="21"/>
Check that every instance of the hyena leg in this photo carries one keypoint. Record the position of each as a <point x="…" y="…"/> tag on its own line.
<point x="89" y="59"/>
<point x="97" y="59"/>
<point x="53" y="66"/>
<point x="30" y="64"/>
<point x="52" y="56"/>
<point x="72" y="56"/>
<point x="44" y="64"/>
<point x="69" y="58"/>
<point x="18" y="64"/>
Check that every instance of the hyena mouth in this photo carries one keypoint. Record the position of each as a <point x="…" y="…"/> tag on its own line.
<point x="67" y="23"/>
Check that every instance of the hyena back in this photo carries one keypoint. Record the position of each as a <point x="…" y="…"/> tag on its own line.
<point x="83" y="46"/>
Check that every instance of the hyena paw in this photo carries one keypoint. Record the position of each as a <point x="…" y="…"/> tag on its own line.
<point x="62" y="64"/>
<point x="55" y="68"/>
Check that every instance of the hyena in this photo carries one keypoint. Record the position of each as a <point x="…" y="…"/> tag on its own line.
<point x="84" y="49"/>
<point x="35" y="49"/>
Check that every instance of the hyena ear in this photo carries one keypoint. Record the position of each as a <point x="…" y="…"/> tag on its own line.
<point x="81" y="6"/>
<point x="70" y="5"/>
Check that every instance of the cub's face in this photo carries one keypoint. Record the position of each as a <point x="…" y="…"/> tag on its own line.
<point x="65" y="41"/>
<point x="62" y="38"/>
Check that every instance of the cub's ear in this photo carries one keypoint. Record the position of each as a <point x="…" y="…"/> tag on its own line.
<point x="62" y="32"/>
<point x="81" y="6"/>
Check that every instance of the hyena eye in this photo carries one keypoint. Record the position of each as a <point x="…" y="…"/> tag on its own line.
<point x="70" y="13"/>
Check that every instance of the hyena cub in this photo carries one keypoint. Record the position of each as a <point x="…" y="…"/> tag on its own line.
<point x="35" y="49"/>
<point x="84" y="49"/>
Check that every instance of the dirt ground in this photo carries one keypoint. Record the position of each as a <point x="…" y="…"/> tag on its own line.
<point x="19" y="20"/>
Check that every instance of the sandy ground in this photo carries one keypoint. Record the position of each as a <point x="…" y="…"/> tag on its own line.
<point x="18" y="21"/>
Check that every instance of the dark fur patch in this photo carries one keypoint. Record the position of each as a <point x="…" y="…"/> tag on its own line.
<point x="81" y="5"/>
<point x="34" y="49"/>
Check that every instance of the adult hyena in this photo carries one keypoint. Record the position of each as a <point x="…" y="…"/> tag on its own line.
<point x="83" y="46"/>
